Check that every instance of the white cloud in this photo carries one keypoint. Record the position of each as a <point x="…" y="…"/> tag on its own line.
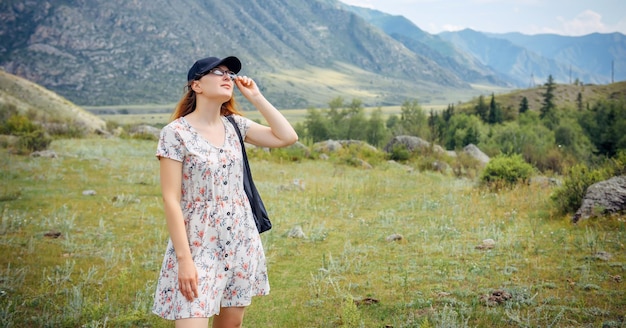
<point x="584" y="23"/>
<point x="359" y="3"/>
<point x="564" y="17"/>
<point x="452" y="28"/>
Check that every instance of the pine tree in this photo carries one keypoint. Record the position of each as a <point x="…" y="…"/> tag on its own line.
<point x="413" y="119"/>
<point x="495" y="113"/>
<point x="548" y="109"/>
<point x="482" y="110"/>
<point x="523" y="105"/>
<point x="448" y="113"/>
<point x="547" y="106"/>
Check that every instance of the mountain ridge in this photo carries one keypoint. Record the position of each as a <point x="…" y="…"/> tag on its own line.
<point x="302" y="53"/>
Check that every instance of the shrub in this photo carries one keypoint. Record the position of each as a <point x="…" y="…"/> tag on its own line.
<point x="466" y="166"/>
<point x="31" y="137"/>
<point x="34" y="141"/>
<point x="18" y="125"/>
<point x="357" y="154"/>
<point x="290" y="154"/>
<point x="399" y="152"/>
<point x="505" y="170"/>
<point x="144" y="136"/>
<point x="568" y="197"/>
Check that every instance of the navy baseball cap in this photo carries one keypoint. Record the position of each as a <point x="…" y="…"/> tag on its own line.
<point x="202" y="66"/>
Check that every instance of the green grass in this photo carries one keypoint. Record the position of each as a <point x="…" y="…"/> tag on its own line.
<point x="101" y="271"/>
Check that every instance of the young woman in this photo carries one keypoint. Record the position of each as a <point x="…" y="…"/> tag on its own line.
<point x="214" y="263"/>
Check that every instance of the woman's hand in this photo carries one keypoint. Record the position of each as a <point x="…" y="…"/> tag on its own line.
<point x="279" y="133"/>
<point x="188" y="278"/>
<point x="247" y="87"/>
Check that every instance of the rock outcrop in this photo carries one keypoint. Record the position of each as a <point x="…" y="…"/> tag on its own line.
<point x="604" y="197"/>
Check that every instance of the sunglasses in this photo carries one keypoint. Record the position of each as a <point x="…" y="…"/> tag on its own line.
<point x="220" y="72"/>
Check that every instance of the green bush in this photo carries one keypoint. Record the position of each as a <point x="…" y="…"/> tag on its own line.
<point x="18" y="125"/>
<point x="359" y="155"/>
<point x="569" y="197"/>
<point x="31" y="137"/>
<point x="506" y="171"/>
<point x="144" y="136"/>
<point x="399" y="152"/>
<point x="33" y="141"/>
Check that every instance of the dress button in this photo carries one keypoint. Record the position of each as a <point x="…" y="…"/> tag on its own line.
<point x="221" y="150"/>
<point x="228" y="228"/>
<point x="225" y="255"/>
<point x="228" y="242"/>
<point x="226" y="269"/>
<point x="225" y="182"/>
<point x="227" y="213"/>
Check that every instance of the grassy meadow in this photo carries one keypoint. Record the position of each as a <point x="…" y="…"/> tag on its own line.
<point x="72" y="258"/>
<point x="142" y="116"/>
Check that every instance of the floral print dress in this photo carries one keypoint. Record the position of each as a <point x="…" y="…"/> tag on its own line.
<point x="223" y="238"/>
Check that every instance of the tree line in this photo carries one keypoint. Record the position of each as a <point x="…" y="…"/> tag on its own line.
<point x="551" y="137"/>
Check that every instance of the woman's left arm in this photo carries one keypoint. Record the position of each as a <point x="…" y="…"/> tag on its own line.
<point x="279" y="133"/>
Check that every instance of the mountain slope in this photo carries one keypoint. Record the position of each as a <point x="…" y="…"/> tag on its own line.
<point x="441" y="52"/>
<point x="523" y="65"/>
<point x="46" y="106"/>
<point x="594" y="52"/>
<point x="122" y="52"/>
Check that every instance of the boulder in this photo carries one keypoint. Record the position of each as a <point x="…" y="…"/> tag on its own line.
<point x="327" y="146"/>
<point x="410" y="142"/>
<point x="145" y="129"/>
<point x="476" y="153"/>
<point x="604" y="197"/>
<point x="358" y="143"/>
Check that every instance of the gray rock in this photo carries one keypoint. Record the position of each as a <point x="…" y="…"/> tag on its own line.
<point x="44" y="153"/>
<point x="411" y="143"/>
<point x="604" y="197"/>
<point x="476" y="153"/>
<point x="327" y="146"/>
<point x="394" y="237"/>
<point x="89" y="192"/>
<point x="296" y="232"/>
<point x="145" y="129"/>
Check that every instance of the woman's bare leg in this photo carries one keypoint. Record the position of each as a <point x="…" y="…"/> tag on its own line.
<point x="229" y="317"/>
<point x="192" y="323"/>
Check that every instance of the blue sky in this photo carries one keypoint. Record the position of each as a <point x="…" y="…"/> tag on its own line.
<point x="564" y="17"/>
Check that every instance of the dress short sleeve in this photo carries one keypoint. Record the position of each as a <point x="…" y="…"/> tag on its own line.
<point x="170" y="144"/>
<point x="243" y="123"/>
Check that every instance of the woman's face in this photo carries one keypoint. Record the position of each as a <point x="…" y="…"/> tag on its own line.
<point x="217" y="84"/>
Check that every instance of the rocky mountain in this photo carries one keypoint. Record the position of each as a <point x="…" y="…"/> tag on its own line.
<point x="121" y="52"/>
<point x="511" y="58"/>
<point x="302" y="53"/>
<point x="442" y="52"/>
<point x="602" y="55"/>
<point x="521" y="64"/>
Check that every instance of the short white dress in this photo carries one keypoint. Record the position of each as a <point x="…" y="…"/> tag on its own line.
<point x="223" y="238"/>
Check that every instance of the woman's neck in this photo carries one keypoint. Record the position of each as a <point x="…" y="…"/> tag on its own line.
<point x="206" y="112"/>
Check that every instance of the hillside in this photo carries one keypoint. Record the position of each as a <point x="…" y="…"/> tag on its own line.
<point x="601" y="53"/>
<point x="442" y="52"/>
<point x="529" y="59"/>
<point x="565" y="95"/>
<point x="46" y="106"/>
